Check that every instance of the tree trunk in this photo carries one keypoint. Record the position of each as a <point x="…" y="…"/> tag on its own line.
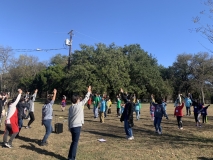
<point x="202" y="94"/>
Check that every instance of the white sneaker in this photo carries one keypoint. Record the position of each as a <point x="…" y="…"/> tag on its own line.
<point x="27" y="127"/>
<point x="159" y="132"/>
<point x="181" y="128"/>
<point x="8" y="145"/>
<point x="131" y="138"/>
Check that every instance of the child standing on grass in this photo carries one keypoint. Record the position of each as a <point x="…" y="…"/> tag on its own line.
<point x="63" y="103"/>
<point x="159" y="113"/>
<point x="188" y="103"/>
<point x="109" y="103"/>
<point x="179" y="114"/>
<point x="89" y="102"/>
<point x="102" y="109"/>
<point x="203" y="112"/>
<point x="195" y="105"/>
<point x="127" y="115"/>
<point x="95" y="105"/>
<point x="152" y="108"/>
<point x="118" y="107"/>
<point x="164" y="104"/>
<point x="137" y="109"/>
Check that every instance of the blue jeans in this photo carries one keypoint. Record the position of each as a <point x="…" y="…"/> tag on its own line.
<point x="75" y="132"/>
<point x="157" y="123"/>
<point x="20" y="123"/>
<point x="49" y="129"/>
<point x="95" y="111"/>
<point x="137" y="114"/>
<point x="105" y="113"/>
<point x="127" y="128"/>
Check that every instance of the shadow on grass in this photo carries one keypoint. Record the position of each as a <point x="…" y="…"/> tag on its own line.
<point x="1" y="132"/>
<point x="204" y="158"/>
<point x="176" y="139"/>
<point x="104" y="134"/>
<point x="26" y="139"/>
<point x="42" y="151"/>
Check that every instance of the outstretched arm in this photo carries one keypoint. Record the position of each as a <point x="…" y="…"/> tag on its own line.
<point x="18" y="98"/>
<point x="123" y="96"/>
<point x="84" y="101"/>
<point x="34" y="95"/>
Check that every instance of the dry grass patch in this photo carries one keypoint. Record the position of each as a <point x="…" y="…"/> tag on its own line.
<point x="190" y="143"/>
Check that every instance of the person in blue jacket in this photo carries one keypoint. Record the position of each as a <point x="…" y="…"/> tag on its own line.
<point x="188" y="103"/>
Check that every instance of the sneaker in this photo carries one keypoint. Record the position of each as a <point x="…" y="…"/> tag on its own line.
<point x="181" y="128"/>
<point x="131" y="138"/>
<point x="27" y="127"/>
<point x="8" y="145"/>
<point x="43" y="144"/>
<point x="159" y="132"/>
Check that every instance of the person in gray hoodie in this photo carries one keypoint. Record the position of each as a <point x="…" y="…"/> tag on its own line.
<point x="47" y="116"/>
<point x="75" y="121"/>
<point x="31" y="109"/>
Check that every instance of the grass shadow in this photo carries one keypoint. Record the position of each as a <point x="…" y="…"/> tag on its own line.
<point x="104" y="134"/>
<point x="43" y="151"/>
<point x="26" y="139"/>
<point x="204" y="158"/>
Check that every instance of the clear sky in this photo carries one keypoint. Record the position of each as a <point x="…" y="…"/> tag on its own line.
<point x="161" y="27"/>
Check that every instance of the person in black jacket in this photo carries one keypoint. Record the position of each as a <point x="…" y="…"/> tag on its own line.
<point x="127" y="115"/>
<point x="20" y="107"/>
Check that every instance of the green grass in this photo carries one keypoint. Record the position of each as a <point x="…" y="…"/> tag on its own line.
<point x="190" y="143"/>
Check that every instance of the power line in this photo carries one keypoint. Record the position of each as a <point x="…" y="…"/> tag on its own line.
<point x="32" y="50"/>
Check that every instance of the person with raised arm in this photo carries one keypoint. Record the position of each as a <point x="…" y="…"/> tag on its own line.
<point x="127" y="115"/>
<point x="75" y="121"/>
<point x="178" y="112"/>
<point x="11" y="122"/>
<point x="31" y="109"/>
<point x="159" y="113"/>
<point x="47" y="116"/>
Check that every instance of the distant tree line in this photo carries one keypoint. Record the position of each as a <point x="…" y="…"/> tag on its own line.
<point x="107" y="69"/>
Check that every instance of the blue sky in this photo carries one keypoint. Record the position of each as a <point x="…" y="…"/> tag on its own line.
<point x="161" y="27"/>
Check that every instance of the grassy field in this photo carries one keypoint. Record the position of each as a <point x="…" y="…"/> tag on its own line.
<point x="190" y="143"/>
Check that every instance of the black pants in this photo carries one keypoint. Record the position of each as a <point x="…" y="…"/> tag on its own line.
<point x="196" y="117"/>
<point x="8" y="129"/>
<point x="0" y="111"/>
<point x="188" y="110"/>
<point x="32" y="118"/>
<point x="88" y="106"/>
<point x="118" y="111"/>
<point x="204" y="118"/>
<point x="180" y="123"/>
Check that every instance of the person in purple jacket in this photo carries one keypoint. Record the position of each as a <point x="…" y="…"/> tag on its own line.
<point x="203" y="112"/>
<point x="196" y="107"/>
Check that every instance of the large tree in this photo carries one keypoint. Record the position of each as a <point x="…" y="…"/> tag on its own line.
<point x="204" y="21"/>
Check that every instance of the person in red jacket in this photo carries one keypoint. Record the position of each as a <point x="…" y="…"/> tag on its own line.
<point x="11" y="122"/>
<point x="89" y="102"/>
<point x="179" y="114"/>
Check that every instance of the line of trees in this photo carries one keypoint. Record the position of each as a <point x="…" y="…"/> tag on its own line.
<point x="107" y="69"/>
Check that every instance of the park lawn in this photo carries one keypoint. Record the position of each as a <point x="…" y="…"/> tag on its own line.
<point x="190" y="143"/>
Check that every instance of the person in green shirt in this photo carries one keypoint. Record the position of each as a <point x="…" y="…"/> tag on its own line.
<point x="95" y="105"/>
<point x="118" y="107"/>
